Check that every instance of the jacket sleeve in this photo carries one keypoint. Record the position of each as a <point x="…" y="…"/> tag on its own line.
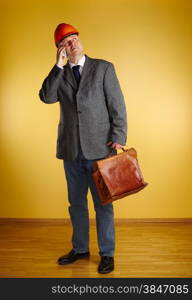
<point x="116" y="106"/>
<point x="48" y="92"/>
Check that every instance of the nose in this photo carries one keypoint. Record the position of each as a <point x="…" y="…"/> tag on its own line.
<point x="73" y="42"/>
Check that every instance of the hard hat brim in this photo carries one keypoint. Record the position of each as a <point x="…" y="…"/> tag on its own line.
<point x="77" y="33"/>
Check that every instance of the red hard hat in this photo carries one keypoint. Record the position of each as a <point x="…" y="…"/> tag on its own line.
<point x="63" y="30"/>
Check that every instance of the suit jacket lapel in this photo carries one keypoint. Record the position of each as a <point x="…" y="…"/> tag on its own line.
<point x="68" y="73"/>
<point x="87" y="68"/>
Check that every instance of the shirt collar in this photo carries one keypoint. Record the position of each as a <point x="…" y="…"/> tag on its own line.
<point x="80" y="62"/>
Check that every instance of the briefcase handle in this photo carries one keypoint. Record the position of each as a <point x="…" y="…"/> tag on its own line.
<point x="131" y="152"/>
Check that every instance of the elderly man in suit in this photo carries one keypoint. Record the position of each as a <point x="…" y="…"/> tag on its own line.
<point x="93" y="124"/>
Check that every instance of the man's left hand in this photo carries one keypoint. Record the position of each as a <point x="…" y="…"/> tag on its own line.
<point x="115" y="145"/>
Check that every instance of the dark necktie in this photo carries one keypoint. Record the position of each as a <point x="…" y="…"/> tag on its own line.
<point x="76" y="73"/>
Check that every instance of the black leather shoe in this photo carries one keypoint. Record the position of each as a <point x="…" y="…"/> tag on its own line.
<point x="106" y="265"/>
<point x="71" y="257"/>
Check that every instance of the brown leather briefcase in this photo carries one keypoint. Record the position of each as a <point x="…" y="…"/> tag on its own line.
<point x="118" y="176"/>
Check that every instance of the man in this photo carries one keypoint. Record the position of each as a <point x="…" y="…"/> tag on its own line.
<point x="93" y="124"/>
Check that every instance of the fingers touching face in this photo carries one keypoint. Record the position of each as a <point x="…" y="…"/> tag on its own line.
<point x="72" y="45"/>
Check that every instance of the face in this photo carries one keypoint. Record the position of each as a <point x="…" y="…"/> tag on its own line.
<point x="72" y="45"/>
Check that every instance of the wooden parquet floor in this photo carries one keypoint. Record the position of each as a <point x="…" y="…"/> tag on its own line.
<point x="142" y="250"/>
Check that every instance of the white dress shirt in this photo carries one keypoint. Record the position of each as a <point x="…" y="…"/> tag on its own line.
<point x="80" y="63"/>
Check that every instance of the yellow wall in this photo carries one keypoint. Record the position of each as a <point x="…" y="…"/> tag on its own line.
<point x="149" y="43"/>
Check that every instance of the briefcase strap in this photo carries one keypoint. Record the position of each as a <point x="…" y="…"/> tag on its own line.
<point x="112" y="153"/>
<point x="131" y="151"/>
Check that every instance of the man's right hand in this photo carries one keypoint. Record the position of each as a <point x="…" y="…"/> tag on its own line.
<point x="61" y="55"/>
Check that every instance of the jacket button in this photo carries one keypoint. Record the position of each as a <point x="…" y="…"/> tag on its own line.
<point x="79" y="111"/>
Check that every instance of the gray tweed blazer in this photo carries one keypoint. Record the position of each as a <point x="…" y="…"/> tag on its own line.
<point x="92" y="114"/>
